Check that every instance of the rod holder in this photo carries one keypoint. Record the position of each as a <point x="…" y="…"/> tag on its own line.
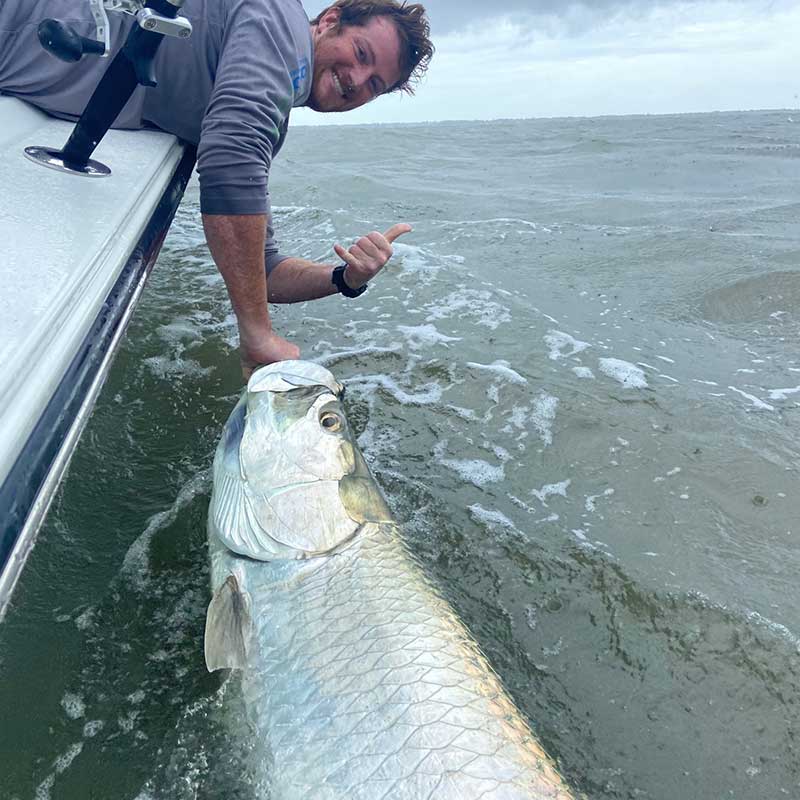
<point x="132" y="66"/>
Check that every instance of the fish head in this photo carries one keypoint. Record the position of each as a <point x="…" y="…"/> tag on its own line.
<point x="296" y="430"/>
<point x="289" y="479"/>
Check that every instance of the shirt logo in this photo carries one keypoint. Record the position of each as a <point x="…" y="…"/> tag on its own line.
<point x="299" y="75"/>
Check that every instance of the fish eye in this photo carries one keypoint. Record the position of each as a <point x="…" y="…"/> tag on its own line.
<point x="330" y="421"/>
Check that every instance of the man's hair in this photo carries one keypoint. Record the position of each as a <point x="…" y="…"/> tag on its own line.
<point x="416" y="48"/>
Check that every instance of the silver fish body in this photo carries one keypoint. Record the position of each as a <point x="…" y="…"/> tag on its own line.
<point x="361" y="682"/>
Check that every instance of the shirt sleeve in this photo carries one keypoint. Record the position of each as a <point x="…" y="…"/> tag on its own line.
<point x="251" y="99"/>
<point x="272" y="254"/>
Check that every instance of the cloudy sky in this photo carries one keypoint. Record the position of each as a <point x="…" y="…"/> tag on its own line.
<point x="546" y="58"/>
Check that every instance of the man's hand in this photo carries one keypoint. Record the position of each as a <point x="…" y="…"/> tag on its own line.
<point x="261" y="347"/>
<point x="237" y="245"/>
<point x="367" y="257"/>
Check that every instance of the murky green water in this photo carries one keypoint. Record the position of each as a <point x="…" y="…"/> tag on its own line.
<point x="579" y="385"/>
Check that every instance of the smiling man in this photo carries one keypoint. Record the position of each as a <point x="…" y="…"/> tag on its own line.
<point x="230" y="90"/>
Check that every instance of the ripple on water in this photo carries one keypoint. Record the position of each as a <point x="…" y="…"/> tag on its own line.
<point x="771" y="298"/>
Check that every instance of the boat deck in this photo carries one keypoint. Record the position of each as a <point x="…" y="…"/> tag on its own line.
<point x="65" y="297"/>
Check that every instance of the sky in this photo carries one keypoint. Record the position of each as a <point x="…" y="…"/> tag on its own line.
<point x="558" y="58"/>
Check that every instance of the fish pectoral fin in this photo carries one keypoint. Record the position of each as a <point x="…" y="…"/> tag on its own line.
<point x="227" y="627"/>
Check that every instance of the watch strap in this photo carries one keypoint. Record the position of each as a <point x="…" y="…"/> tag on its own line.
<point x="337" y="279"/>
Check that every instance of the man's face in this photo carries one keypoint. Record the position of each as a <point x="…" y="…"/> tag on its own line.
<point x="352" y="64"/>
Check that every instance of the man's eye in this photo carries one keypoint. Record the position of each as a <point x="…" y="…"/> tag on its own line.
<point x="362" y="56"/>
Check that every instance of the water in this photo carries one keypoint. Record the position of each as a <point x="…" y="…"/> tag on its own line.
<point x="578" y="383"/>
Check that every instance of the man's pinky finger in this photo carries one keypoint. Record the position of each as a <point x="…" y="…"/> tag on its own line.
<point x="346" y="256"/>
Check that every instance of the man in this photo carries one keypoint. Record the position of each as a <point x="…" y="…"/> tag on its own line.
<point x="230" y="90"/>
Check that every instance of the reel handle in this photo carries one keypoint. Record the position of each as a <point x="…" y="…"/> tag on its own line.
<point x="65" y="43"/>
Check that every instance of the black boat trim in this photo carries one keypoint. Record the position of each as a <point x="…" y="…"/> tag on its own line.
<point x="29" y="486"/>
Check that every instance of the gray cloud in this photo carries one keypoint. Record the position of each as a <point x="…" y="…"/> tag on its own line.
<point x="576" y="16"/>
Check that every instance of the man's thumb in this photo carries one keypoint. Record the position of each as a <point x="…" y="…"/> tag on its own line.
<point x="397" y="230"/>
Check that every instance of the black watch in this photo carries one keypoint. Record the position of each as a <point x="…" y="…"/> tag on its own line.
<point x="337" y="279"/>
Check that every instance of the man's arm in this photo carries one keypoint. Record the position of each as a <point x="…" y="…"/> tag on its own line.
<point x="294" y="279"/>
<point x="237" y="246"/>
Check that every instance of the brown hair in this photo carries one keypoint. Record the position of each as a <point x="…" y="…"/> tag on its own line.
<point x="416" y="48"/>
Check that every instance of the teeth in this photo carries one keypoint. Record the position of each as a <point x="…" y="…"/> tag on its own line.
<point x="337" y="83"/>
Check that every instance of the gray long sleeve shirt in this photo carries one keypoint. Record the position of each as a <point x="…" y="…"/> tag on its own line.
<point x="229" y="89"/>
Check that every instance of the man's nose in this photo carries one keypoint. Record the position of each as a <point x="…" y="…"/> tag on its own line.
<point x="360" y="75"/>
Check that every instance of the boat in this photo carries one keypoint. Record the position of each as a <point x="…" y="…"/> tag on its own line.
<point x="81" y="226"/>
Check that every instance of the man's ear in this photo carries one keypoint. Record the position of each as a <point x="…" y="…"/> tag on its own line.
<point x="329" y="20"/>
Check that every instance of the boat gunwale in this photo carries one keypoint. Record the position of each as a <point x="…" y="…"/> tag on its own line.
<point x="29" y="486"/>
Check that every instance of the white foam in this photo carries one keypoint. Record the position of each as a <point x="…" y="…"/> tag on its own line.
<point x="331" y="358"/>
<point x="500" y="368"/>
<point x="85" y="619"/>
<point x="92" y="728"/>
<point x="475" y="471"/>
<point x="491" y="517"/>
<point x="583" y="372"/>
<point x="73" y="705"/>
<point x="425" y="336"/>
<point x="427" y="393"/>
<point x="128" y="721"/>
<point x="466" y="413"/>
<point x="782" y="394"/>
<point x="44" y="788"/>
<point x="551" y="490"/>
<point x="164" y="367"/>
<point x="521" y="503"/>
<point x="591" y="505"/>
<point x="757" y="403"/>
<point x="377" y="440"/>
<point x="559" y="342"/>
<point x="629" y="375"/>
<point x="470" y="303"/>
<point x="135" y="563"/>
<point x="554" y="650"/>
<point x="415" y="260"/>
<point x="63" y="762"/>
<point x="543" y="415"/>
<point x="518" y="418"/>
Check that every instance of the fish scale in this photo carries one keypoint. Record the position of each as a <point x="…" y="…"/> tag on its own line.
<point x="364" y="684"/>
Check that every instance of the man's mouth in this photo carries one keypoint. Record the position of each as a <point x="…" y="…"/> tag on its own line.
<point x="338" y="85"/>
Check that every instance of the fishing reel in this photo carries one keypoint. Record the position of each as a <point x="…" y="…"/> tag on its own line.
<point x="131" y="67"/>
<point x="65" y="43"/>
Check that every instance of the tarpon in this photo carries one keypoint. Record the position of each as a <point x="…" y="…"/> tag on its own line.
<point x="361" y="682"/>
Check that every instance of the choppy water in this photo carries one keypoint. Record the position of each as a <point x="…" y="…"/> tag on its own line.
<point x="579" y="385"/>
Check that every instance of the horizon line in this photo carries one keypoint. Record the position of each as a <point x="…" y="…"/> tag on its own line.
<point x="556" y="117"/>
